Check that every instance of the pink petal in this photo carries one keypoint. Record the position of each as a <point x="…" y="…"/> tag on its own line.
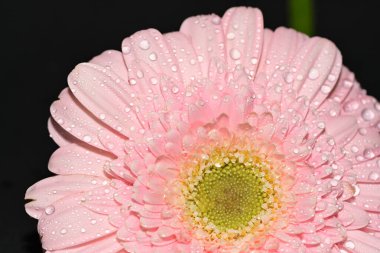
<point x="341" y="128"/>
<point x="206" y="35"/>
<point x="284" y="45"/>
<point x="104" y="96"/>
<point x="359" y="241"/>
<point x="75" y="159"/>
<point x="113" y="60"/>
<point x="72" y="224"/>
<point x="243" y="30"/>
<point x="353" y="216"/>
<point x="315" y="62"/>
<point x="58" y="134"/>
<point x="104" y="245"/>
<point x="47" y="191"/>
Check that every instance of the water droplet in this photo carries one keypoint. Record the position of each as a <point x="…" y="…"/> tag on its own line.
<point x="368" y="153"/>
<point x="87" y="138"/>
<point x="325" y="89"/>
<point x="63" y="231"/>
<point x="349" y="245"/>
<point x="174" y="68"/>
<point x="289" y="78"/>
<point x="351" y="106"/>
<point x="235" y="54"/>
<point x="139" y="74"/>
<point x="373" y="176"/>
<point x="368" y="114"/>
<point x="321" y="125"/>
<point x="354" y="149"/>
<point x="132" y="81"/>
<point x="175" y="89"/>
<point x="82" y="230"/>
<point x="215" y="20"/>
<point x="254" y="61"/>
<point x="49" y="210"/>
<point x="331" y="78"/>
<point x="126" y="49"/>
<point x="313" y="73"/>
<point x="153" y="56"/>
<point x="144" y="45"/>
<point x="347" y="83"/>
<point x="230" y="36"/>
<point x="93" y="222"/>
<point x="102" y="116"/>
<point x="154" y="81"/>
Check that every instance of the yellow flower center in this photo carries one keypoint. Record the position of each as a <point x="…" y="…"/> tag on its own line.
<point x="230" y="193"/>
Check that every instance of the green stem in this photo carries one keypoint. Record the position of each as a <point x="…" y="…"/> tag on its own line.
<point x="301" y="16"/>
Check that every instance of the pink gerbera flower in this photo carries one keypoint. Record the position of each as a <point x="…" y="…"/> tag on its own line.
<point x="222" y="137"/>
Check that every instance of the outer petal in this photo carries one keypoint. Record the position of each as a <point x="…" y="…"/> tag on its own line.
<point x="76" y="120"/>
<point x="107" y="244"/>
<point x="244" y="32"/>
<point x="49" y="190"/>
<point x="317" y="66"/>
<point x="102" y="94"/>
<point x="76" y="159"/>
<point x="206" y="36"/>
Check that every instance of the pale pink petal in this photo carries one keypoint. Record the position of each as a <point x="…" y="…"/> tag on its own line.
<point x="58" y="134"/>
<point x="358" y="241"/>
<point x="206" y="35"/>
<point x="243" y="35"/>
<point x="317" y="60"/>
<point x="76" y="159"/>
<point x="72" y="224"/>
<point x="107" y="244"/>
<point x="113" y="60"/>
<point x="49" y="190"/>
<point x="104" y="96"/>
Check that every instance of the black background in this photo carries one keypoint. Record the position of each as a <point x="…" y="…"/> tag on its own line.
<point x="41" y="42"/>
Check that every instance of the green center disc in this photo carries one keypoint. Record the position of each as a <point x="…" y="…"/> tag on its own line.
<point x="230" y="196"/>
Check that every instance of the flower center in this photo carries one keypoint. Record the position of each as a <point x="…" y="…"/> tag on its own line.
<point x="229" y="193"/>
<point x="231" y="196"/>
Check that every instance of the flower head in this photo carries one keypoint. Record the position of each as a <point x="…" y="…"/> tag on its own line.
<point x="222" y="137"/>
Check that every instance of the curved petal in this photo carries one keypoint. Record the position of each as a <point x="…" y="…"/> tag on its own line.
<point x="49" y="190"/>
<point x="76" y="159"/>
<point x="244" y="33"/>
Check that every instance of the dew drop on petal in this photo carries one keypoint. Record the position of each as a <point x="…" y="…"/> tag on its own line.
<point x="368" y="114"/>
<point x="153" y="56"/>
<point x="175" y="89"/>
<point x="254" y="61"/>
<point x="235" y="54"/>
<point x="49" y="210"/>
<point x="230" y="36"/>
<point x="351" y="106"/>
<point x="368" y="153"/>
<point x="373" y="176"/>
<point x="63" y="231"/>
<point x="87" y="138"/>
<point x="215" y="20"/>
<point x="132" y="81"/>
<point x="349" y="245"/>
<point x="313" y="74"/>
<point x="154" y="81"/>
<point x="126" y="49"/>
<point x="325" y="89"/>
<point x="144" y="45"/>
